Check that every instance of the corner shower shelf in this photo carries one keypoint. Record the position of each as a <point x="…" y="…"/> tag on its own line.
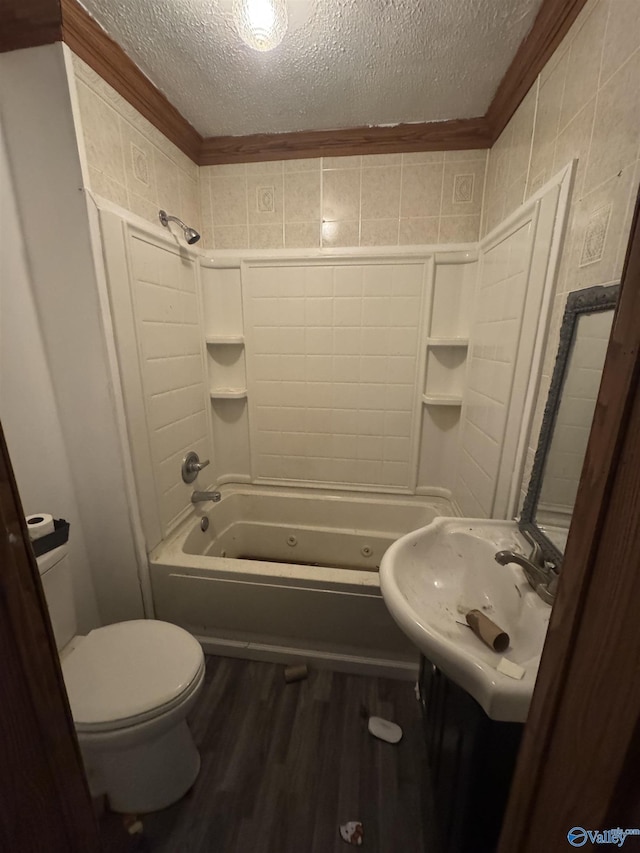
<point x="441" y="400"/>
<point x="225" y="340"/>
<point x="448" y="342"/>
<point x="228" y="394"/>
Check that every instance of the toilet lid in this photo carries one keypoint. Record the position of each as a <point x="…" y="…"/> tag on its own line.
<point x="129" y="669"/>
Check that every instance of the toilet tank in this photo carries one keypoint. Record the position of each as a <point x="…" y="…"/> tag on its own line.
<point x="55" y="574"/>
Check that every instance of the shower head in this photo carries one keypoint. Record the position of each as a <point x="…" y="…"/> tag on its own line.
<point x="190" y="234"/>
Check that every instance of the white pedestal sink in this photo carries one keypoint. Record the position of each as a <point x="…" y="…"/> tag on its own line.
<point x="432" y="577"/>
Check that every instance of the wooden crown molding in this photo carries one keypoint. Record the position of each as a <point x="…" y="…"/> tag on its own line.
<point x="27" y="23"/>
<point x="89" y="41"/>
<point x="427" y="136"/>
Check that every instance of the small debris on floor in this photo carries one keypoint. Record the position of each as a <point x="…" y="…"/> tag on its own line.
<point x="296" y="673"/>
<point x="352" y="832"/>
<point x="135" y="828"/>
<point x="385" y="730"/>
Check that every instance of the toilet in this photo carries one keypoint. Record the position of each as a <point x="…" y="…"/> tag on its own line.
<point x="130" y="687"/>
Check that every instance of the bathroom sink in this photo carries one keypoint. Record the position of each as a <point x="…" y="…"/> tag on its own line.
<point x="432" y="577"/>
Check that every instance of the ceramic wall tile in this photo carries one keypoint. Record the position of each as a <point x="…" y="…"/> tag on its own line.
<point x="130" y="162"/>
<point x="421" y="189"/>
<point x="229" y="200"/>
<point x="302" y="196"/>
<point x="332" y="201"/>
<point x="463" y="187"/>
<point x="102" y="137"/>
<point x="339" y="234"/>
<point x="302" y="235"/>
<point x="622" y="36"/>
<point x="266" y="236"/>
<point x="418" y="231"/>
<point x="583" y="63"/>
<point x="379" y="232"/>
<point x="380" y="192"/>
<point x="616" y="131"/>
<point x="595" y="75"/>
<point x="340" y="195"/>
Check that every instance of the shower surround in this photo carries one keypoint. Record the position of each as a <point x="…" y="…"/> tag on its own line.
<point x="329" y="391"/>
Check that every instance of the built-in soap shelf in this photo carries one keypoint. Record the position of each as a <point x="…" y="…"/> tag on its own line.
<point x="441" y="400"/>
<point x="448" y="342"/>
<point x="224" y="336"/>
<point x="449" y="307"/>
<point x="228" y="394"/>
<point x="225" y="340"/>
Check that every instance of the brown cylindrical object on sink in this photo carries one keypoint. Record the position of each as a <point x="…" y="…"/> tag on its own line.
<point x="490" y="633"/>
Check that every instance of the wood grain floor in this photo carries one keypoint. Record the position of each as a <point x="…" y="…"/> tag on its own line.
<point x="284" y="764"/>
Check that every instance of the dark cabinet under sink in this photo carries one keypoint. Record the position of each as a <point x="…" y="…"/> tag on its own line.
<point x="471" y="762"/>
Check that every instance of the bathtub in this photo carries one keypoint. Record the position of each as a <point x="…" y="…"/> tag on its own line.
<point x="291" y="575"/>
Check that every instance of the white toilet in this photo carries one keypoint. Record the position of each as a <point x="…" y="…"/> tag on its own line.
<point x="130" y="687"/>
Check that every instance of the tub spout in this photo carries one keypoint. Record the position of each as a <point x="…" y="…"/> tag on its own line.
<point x="199" y="497"/>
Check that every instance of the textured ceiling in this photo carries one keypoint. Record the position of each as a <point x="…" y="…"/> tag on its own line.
<point x="353" y="62"/>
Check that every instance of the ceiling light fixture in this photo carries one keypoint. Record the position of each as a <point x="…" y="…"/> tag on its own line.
<point x="261" y="23"/>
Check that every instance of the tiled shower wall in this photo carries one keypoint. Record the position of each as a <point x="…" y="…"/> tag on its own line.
<point x="373" y="200"/>
<point x="586" y="105"/>
<point x="128" y="161"/>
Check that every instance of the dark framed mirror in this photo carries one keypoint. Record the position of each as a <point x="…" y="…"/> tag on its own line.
<point x="568" y="415"/>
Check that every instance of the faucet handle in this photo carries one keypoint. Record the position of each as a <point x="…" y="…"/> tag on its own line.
<point x="191" y="466"/>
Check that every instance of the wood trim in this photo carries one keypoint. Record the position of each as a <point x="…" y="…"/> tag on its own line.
<point x="552" y="23"/>
<point x="89" y="41"/>
<point x="429" y="136"/>
<point x="29" y="23"/>
<point x="44" y="799"/>
<point x="582" y="732"/>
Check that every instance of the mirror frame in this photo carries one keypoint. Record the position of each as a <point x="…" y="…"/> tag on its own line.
<point x="591" y="300"/>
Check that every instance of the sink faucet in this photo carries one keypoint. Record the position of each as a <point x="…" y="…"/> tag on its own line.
<point x="542" y="578"/>
<point x="198" y="497"/>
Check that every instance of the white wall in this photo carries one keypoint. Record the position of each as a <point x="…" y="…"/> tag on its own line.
<point x="43" y="160"/>
<point x="28" y="407"/>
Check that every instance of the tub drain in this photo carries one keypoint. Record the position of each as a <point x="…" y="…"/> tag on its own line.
<point x="292" y="541"/>
<point x="366" y="551"/>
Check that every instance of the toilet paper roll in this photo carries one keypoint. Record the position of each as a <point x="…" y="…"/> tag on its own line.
<point x="39" y="524"/>
<point x="486" y="629"/>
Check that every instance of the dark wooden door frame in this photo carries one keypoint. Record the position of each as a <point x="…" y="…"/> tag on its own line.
<point x="579" y="764"/>
<point x="44" y="798"/>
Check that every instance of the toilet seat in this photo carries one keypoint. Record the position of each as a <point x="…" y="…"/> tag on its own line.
<point x="128" y="673"/>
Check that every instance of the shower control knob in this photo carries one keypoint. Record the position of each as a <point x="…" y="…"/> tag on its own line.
<point x="191" y="466"/>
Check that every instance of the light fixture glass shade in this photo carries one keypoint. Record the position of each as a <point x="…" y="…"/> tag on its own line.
<point x="261" y="23"/>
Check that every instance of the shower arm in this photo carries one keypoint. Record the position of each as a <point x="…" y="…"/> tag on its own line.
<point x="166" y="218"/>
<point x="190" y="234"/>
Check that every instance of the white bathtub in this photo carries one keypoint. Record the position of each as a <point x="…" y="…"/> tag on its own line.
<point x="291" y="575"/>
